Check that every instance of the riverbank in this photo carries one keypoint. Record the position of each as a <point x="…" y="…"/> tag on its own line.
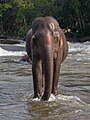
<point x="71" y="37"/>
<point x="4" y="39"/>
<point x="79" y="40"/>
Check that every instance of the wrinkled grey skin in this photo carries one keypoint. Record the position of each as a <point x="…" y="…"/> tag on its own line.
<point x="47" y="48"/>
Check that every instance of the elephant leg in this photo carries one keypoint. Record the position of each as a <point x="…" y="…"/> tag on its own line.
<point x="48" y="86"/>
<point x="56" y="72"/>
<point x="37" y="76"/>
<point x="48" y="73"/>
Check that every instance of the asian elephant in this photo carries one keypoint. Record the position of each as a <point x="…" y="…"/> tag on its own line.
<point x="47" y="48"/>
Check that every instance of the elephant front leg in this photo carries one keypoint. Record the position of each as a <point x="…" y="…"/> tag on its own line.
<point x="48" y="73"/>
<point x="48" y="86"/>
<point x="37" y="76"/>
<point x="56" y="72"/>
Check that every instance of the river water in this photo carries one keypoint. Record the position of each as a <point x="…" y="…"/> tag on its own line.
<point x="16" y="88"/>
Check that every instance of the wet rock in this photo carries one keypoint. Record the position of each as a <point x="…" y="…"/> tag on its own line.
<point x="9" y="41"/>
<point x="3" y="36"/>
<point x="71" y="37"/>
<point x="25" y="58"/>
<point x="84" y="39"/>
<point x="78" y="40"/>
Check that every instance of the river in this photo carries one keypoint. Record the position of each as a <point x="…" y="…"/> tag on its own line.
<point x="16" y="87"/>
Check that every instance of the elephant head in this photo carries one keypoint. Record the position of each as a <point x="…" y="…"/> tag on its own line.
<point x="47" y="48"/>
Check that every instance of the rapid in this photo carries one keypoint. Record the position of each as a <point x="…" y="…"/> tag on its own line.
<point x="16" y="86"/>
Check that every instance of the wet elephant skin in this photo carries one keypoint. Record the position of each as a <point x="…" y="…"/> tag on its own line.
<point x="47" y="48"/>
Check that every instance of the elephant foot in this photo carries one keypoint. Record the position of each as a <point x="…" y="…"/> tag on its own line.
<point x="55" y="92"/>
<point x="45" y="97"/>
<point x="37" y="95"/>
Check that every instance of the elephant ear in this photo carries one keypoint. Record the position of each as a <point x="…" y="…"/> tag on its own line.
<point x="58" y="39"/>
<point x="60" y="42"/>
<point x="56" y="34"/>
<point x="52" y="26"/>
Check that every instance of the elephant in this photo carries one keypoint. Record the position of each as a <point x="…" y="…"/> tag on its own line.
<point x="47" y="48"/>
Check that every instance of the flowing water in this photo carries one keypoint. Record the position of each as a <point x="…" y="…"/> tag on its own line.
<point x="16" y="87"/>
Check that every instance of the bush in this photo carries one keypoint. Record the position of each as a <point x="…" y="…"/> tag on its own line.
<point x="23" y="31"/>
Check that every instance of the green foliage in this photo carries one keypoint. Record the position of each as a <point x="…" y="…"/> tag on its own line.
<point x="16" y="16"/>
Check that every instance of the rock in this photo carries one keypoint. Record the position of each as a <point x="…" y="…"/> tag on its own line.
<point x="24" y="39"/>
<point x="9" y="41"/>
<point x="3" y="36"/>
<point x="84" y="39"/>
<point x="71" y="37"/>
<point x="70" y="34"/>
<point x="25" y="58"/>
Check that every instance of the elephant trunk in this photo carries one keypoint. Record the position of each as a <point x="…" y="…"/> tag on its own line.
<point x="44" y="45"/>
<point x="48" y="70"/>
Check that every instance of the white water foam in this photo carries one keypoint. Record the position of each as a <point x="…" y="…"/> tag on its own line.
<point x="66" y="99"/>
<point x="70" y="99"/>
<point x="11" y="53"/>
<point x="63" y="99"/>
<point x="81" y="47"/>
<point x="52" y="98"/>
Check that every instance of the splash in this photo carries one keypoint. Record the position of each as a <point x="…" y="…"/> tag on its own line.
<point x="63" y="99"/>
<point x="70" y="99"/>
<point x="66" y="99"/>
<point x="51" y="99"/>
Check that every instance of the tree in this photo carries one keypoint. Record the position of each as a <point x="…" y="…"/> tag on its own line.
<point x="16" y="16"/>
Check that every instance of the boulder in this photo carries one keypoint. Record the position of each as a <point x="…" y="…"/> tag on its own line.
<point x="71" y="37"/>
<point x="9" y="41"/>
<point x="84" y="39"/>
<point x="3" y="36"/>
<point x="25" y="58"/>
